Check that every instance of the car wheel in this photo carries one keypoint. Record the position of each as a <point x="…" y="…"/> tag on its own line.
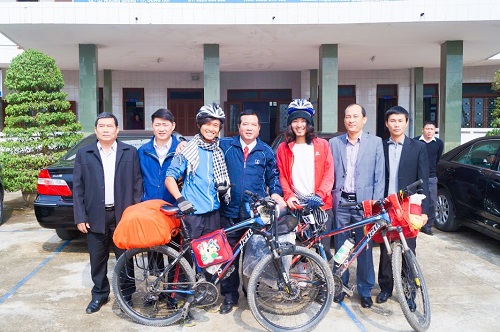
<point x="67" y="234"/>
<point x="445" y="212"/>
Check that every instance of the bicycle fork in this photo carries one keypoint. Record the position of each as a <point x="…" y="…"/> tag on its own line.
<point x="278" y="252"/>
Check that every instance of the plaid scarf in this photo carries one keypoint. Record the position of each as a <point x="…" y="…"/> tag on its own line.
<point x="190" y="152"/>
<point x="319" y="215"/>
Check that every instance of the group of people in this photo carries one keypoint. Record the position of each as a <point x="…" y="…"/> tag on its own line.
<point x="215" y="173"/>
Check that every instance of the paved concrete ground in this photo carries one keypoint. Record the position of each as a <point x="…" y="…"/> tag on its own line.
<point x="45" y="286"/>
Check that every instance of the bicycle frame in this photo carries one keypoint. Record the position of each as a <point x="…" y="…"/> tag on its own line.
<point x="254" y="225"/>
<point x="382" y="223"/>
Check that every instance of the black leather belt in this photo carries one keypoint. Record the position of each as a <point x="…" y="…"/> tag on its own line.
<point x="351" y="197"/>
<point x="109" y="207"/>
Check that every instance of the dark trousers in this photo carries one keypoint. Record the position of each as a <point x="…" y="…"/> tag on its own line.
<point x="432" y="202"/>
<point x="365" y="272"/>
<point x="201" y="224"/>
<point x="385" y="279"/>
<point x="326" y="241"/>
<point x="229" y="286"/>
<point x="98" y="246"/>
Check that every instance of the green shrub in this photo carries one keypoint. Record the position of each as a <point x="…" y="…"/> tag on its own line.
<point x="496" y="112"/>
<point x="39" y="124"/>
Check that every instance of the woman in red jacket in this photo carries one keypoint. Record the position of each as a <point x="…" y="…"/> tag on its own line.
<point x="305" y="163"/>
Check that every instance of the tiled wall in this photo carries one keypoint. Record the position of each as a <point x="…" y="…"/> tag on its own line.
<point x="156" y="84"/>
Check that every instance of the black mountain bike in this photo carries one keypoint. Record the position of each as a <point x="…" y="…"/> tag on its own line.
<point x="157" y="286"/>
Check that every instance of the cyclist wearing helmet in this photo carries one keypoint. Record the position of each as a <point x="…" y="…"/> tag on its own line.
<point x="310" y="180"/>
<point x="201" y="164"/>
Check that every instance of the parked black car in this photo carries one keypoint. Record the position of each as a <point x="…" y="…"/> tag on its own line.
<point x="1" y="197"/>
<point x="469" y="187"/>
<point x="54" y="202"/>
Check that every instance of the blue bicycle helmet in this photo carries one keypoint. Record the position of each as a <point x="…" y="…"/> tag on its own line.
<point x="300" y="108"/>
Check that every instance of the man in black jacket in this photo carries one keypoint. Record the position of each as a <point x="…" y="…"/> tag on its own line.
<point x="406" y="161"/>
<point x="106" y="180"/>
<point x="435" y="148"/>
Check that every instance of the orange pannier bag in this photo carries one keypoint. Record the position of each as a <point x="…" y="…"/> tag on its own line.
<point x="143" y="225"/>
<point x="406" y="214"/>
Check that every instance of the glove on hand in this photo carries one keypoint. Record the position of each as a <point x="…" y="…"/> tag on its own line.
<point x="185" y="206"/>
<point x="314" y="202"/>
<point x="222" y="188"/>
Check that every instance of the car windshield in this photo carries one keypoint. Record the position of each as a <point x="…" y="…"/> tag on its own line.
<point x="135" y="141"/>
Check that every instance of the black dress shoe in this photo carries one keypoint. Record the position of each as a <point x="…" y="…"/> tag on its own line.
<point x="382" y="297"/>
<point x="366" y="302"/>
<point x="95" y="305"/>
<point x="226" y="307"/>
<point x="339" y="298"/>
<point x="427" y="231"/>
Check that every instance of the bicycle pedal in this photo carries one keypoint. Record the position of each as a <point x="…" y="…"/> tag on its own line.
<point x="349" y="291"/>
<point x="188" y="321"/>
<point x="229" y="271"/>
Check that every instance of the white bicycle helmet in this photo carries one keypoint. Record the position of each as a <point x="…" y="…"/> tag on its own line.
<point x="300" y="104"/>
<point x="300" y="108"/>
<point x="211" y="111"/>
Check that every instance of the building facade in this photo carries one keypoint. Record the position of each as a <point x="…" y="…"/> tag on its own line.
<point x="428" y="56"/>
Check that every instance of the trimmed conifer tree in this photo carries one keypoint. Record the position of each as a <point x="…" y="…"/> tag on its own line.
<point x="39" y="124"/>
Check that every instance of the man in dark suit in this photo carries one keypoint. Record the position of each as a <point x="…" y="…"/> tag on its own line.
<point x="435" y="148"/>
<point x="106" y="180"/>
<point x="359" y="175"/>
<point x="406" y="161"/>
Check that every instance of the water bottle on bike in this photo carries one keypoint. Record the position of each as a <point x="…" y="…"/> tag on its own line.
<point x="343" y="252"/>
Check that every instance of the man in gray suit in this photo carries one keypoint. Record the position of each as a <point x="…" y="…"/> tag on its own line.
<point x="359" y="175"/>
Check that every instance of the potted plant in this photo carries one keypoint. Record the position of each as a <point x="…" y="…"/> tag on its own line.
<point x="39" y="124"/>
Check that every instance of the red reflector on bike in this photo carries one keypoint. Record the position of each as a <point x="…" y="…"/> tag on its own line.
<point x="52" y="187"/>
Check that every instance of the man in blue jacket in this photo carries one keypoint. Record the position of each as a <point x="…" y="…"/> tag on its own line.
<point x="156" y="155"/>
<point x="251" y="164"/>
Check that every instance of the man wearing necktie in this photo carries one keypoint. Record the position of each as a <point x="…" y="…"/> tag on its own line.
<point x="252" y="166"/>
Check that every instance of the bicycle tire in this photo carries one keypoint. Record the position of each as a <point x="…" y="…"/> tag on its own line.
<point x="149" y="305"/>
<point x="277" y="310"/>
<point x="410" y="288"/>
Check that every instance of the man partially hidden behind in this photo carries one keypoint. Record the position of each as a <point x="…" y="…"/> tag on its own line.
<point x="434" y="149"/>
<point x="156" y="156"/>
<point x="106" y="180"/>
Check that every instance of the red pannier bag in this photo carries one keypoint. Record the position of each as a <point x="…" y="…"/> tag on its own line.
<point x="404" y="214"/>
<point x="143" y="225"/>
<point x="212" y="248"/>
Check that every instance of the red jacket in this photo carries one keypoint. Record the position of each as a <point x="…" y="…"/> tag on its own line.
<point x="323" y="170"/>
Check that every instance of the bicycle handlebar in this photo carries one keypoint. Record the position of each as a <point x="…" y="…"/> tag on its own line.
<point x="409" y="188"/>
<point x="407" y="191"/>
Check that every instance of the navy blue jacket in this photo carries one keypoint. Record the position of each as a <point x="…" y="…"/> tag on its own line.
<point x="153" y="175"/>
<point x="259" y="173"/>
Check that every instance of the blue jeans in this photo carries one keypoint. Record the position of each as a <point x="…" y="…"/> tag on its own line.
<point x="365" y="272"/>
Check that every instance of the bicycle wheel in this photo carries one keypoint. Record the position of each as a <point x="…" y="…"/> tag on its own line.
<point x="410" y="288"/>
<point x="139" y="292"/>
<point x="304" y="305"/>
